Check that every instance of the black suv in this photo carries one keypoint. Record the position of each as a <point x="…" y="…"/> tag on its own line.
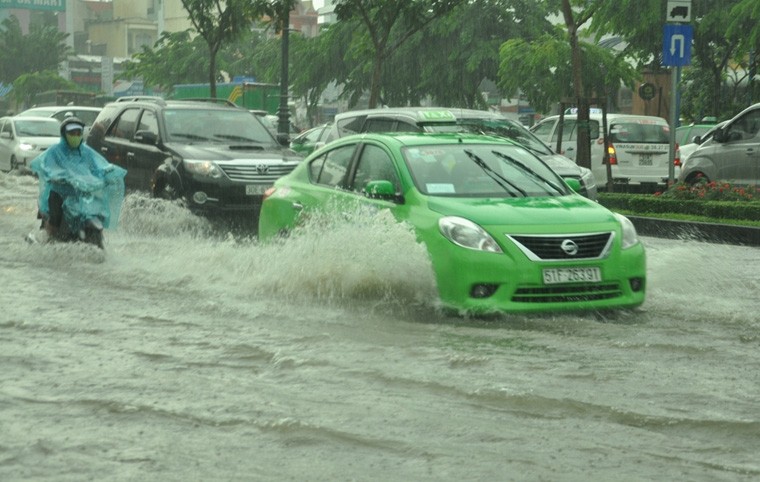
<point x="215" y="156"/>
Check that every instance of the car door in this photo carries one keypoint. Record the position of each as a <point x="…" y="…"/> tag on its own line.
<point x="739" y="157"/>
<point x="145" y="153"/>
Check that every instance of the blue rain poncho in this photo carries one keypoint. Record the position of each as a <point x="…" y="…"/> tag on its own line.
<point x="89" y="185"/>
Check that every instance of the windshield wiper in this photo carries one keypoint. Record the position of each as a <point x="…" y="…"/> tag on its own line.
<point x="237" y="138"/>
<point x="186" y="135"/>
<point x="527" y="169"/>
<point x="498" y="178"/>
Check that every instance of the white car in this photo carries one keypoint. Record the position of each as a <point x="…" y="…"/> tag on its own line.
<point x="24" y="138"/>
<point x="639" y="147"/>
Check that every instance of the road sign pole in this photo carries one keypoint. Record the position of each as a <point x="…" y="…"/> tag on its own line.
<point x="674" y="74"/>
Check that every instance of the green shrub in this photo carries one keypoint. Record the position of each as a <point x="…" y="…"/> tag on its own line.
<point x="714" y="200"/>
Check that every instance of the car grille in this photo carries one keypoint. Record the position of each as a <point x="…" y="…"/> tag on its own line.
<point x="258" y="173"/>
<point x="549" y="248"/>
<point x="567" y="294"/>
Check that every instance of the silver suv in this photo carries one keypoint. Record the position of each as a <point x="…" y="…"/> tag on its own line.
<point x="444" y="119"/>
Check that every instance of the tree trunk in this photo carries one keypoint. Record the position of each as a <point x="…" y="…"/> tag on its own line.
<point x="374" y="91"/>
<point x="212" y="72"/>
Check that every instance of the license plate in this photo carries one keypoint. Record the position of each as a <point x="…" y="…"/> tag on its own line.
<point x="256" y="189"/>
<point x="645" y="160"/>
<point x="572" y="275"/>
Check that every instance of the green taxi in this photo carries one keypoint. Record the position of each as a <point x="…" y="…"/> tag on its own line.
<point x="504" y="232"/>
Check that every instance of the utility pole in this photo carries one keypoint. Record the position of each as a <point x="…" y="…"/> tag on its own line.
<point x="283" y="123"/>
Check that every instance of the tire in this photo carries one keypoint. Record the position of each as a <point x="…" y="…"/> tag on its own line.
<point x="696" y="177"/>
<point x="161" y="188"/>
<point x="94" y="237"/>
<point x="14" y="163"/>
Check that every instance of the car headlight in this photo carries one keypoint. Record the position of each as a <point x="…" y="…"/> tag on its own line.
<point x="467" y="234"/>
<point x="203" y="168"/>
<point x="25" y="146"/>
<point x="630" y="238"/>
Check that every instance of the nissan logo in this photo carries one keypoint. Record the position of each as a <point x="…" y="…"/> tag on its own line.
<point x="569" y="247"/>
<point x="262" y="169"/>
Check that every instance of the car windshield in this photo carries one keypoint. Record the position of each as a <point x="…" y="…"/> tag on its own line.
<point x="38" y="128"/>
<point x="215" y="126"/>
<point x="509" y="129"/>
<point x="481" y="170"/>
<point x="635" y="132"/>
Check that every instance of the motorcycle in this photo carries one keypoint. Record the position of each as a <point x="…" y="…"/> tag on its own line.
<point x="87" y="203"/>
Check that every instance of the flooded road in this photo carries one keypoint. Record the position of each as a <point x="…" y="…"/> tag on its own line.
<point x="183" y="354"/>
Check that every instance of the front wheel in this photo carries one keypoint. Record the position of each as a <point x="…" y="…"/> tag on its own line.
<point x="696" y="178"/>
<point x="161" y="188"/>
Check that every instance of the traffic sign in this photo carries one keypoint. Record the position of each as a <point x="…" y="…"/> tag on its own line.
<point x="676" y="45"/>
<point x="678" y="11"/>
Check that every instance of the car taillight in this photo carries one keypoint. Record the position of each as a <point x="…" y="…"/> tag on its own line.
<point x="677" y="158"/>
<point x="611" y="154"/>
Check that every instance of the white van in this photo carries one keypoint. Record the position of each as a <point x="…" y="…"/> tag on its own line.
<point x="639" y="147"/>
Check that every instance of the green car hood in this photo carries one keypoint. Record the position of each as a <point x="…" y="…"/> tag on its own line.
<point x="573" y="209"/>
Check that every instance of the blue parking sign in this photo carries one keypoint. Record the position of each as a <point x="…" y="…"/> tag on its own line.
<point x="676" y="45"/>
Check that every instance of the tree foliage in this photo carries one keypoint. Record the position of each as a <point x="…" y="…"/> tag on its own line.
<point x="42" y="49"/>
<point x="27" y="86"/>
<point x="218" y="22"/>
<point x="388" y="24"/>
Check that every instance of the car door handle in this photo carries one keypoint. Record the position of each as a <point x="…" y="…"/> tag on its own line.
<point x="104" y="150"/>
<point x="297" y="206"/>
<point x="130" y="155"/>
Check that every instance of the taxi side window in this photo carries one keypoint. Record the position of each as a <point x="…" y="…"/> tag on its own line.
<point x="330" y="168"/>
<point x="379" y="125"/>
<point x="374" y="165"/>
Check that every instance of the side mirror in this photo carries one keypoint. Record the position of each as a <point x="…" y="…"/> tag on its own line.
<point x="283" y="139"/>
<point x="146" y="137"/>
<point x="696" y="139"/>
<point x="574" y="184"/>
<point x="382" y="190"/>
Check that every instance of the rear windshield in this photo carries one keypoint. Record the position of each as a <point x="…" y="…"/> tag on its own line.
<point x="638" y="133"/>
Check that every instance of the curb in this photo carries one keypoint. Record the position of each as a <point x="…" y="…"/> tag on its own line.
<point x="710" y="232"/>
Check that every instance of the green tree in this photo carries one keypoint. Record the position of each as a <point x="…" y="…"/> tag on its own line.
<point x="27" y="86"/>
<point x="218" y="22"/>
<point x="388" y="24"/>
<point x="469" y="38"/>
<point x="42" y="49"/>
<point x="175" y="58"/>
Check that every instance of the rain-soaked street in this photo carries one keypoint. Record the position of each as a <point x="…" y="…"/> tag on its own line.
<point x="183" y="354"/>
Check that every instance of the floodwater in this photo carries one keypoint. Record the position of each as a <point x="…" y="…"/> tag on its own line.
<point x="184" y="354"/>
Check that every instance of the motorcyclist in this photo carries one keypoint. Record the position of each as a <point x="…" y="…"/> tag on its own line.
<point x="76" y="183"/>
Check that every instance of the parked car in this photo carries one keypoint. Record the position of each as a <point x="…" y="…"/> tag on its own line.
<point x="215" y="156"/>
<point x="310" y="139"/>
<point x="503" y="231"/>
<point x="86" y="114"/>
<point x="696" y="141"/>
<point x="731" y="154"/>
<point x="439" y="119"/>
<point x="24" y="138"/>
<point x="639" y="147"/>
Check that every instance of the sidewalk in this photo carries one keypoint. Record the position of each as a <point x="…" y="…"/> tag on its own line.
<point x="710" y="232"/>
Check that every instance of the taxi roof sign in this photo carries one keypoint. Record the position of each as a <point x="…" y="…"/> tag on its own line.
<point x="437" y="116"/>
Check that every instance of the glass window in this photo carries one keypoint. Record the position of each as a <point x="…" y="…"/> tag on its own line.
<point x="124" y="127"/>
<point x="332" y="171"/>
<point x="638" y="133"/>
<point x="379" y="125"/>
<point x="215" y="126"/>
<point x="352" y="125"/>
<point x="481" y="170"/>
<point x="149" y="122"/>
<point x="374" y="165"/>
